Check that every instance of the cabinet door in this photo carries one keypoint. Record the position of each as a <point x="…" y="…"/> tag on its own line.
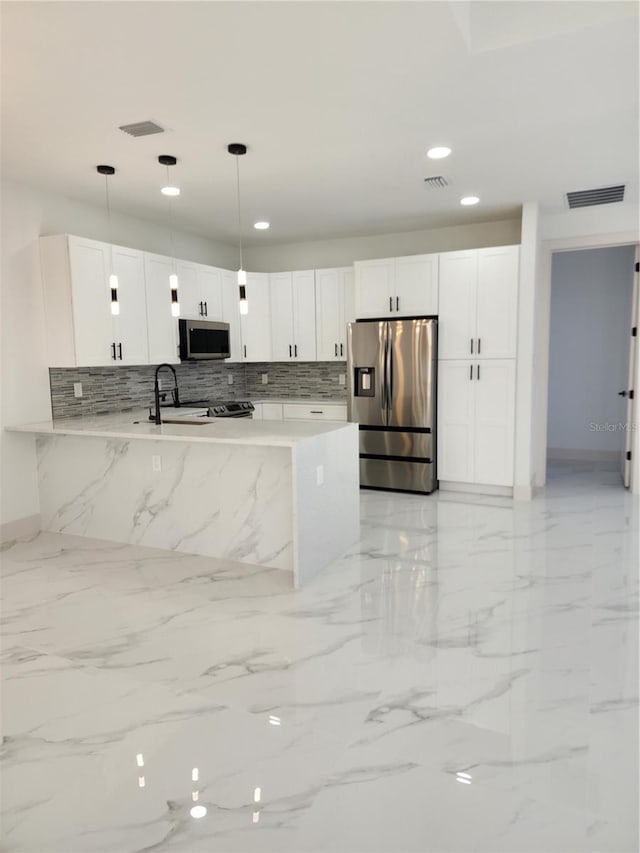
<point x="494" y="383"/>
<point x="162" y="327"/>
<point x="455" y="438"/>
<point x="303" y="290"/>
<point x="281" y="316"/>
<point x="497" y="302"/>
<point x="416" y="285"/>
<point x="210" y="288"/>
<point x="375" y="288"/>
<point x="231" y="312"/>
<point x="329" y="314"/>
<point x="189" y="290"/>
<point x="256" y="325"/>
<point x="92" y="320"/>
<point x="457" y="305"/>
<point x="130" y="326"/>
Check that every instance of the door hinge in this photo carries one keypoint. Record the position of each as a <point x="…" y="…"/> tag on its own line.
<point x="631" y="395"/>
<point x="628" y="456"/>
<point x="634" y="332"/>
<point x="637" y="266"/>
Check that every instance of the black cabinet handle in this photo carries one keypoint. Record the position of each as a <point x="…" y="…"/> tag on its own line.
<point x="120" y="351"/>
<point x="471" y="372"/>
<point x="478" y="371"/>
<point x="341" y="350"/>
<point x="113" y="351"/>
<point x="201" y="310"/>
<point x="471" y="343"/>
<point x="390" y="303"/>
<point x="316" y="411"/>
<point x="295" y="350"/>
<point x="336" y="348"/>
<point x="397" y="303"/>
<point x="290" y="353"/>
<point x="479" y="341"/>
<point x="206" y="310"/>
<point x="245" y="350"/>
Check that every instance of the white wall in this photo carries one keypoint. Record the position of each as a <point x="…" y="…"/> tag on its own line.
<point x="344" y="251"/>
<point x="590" y="221"/>
<point x="591" y="293"/>
<point x="26" y="215"/>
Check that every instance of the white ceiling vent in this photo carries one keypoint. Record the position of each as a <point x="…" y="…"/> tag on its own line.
<point x="142" y="128"/>
<point x="436" y="181"/>
<point x="602" y="195"/>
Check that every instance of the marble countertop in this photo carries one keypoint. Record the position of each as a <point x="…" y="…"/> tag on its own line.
<point x="135" y="425"/>
<point x="326" y="401"/>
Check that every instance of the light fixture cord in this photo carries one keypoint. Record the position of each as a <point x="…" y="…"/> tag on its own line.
<point x="106" y="190"/>
<point x="239" y="213"/>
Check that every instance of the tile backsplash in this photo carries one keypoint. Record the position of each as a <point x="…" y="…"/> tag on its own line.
<point x="119" y="389"/>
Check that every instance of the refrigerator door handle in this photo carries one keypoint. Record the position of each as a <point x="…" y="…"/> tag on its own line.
<point x="383" y="385"/>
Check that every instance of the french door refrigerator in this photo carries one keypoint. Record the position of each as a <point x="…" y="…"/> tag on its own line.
<point x="392" y="397"/>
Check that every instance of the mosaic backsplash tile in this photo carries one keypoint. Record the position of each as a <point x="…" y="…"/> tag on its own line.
<point x="120" y="389"/>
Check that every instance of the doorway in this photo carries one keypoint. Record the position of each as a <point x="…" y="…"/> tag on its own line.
<point x="589" y="412"/>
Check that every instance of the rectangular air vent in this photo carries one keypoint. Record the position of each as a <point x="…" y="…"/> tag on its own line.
<point x="436" y="181"/>
<point x="142" y="128"/>
<point x="602" y="195"/>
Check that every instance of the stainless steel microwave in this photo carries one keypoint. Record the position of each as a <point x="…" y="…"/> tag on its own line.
<point x="203" y="339"/>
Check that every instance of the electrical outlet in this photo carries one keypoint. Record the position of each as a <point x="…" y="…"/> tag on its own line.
<point x="230" y="379"/>
<point x="342" y="379"/>
<point x="156" y="463"/>
<point x="77" y="389"/>
<point x="265" y="378"/>
<point x="320" y="474"/>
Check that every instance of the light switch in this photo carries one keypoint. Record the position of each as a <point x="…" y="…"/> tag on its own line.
<point x="342" y="379"/>
<point x="77" y="389"/>
<point x="265" y="378"/>
<point x="320" y="474"/>
<point x="156" y="463"/>
<point x="230" y="379"/>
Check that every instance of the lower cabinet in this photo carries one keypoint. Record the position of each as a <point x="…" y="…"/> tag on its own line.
<point x="300" y="412"/>
<point x="476" y="419"/>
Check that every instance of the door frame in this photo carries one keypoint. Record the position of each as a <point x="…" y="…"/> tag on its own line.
<point x="547" y="249"/>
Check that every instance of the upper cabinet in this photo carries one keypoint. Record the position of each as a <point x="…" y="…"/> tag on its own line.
<point x="397" y="287"/>
<point x="200" y="291"/>
<point x="334" y="309"/>
<point x="293" y="310"/>
<point x="162" y="327"/>
<point x="478" y="303"/>
<point x="256" y="325"/>
<point x="231" y="312"/>
<point x="81" y="330"/>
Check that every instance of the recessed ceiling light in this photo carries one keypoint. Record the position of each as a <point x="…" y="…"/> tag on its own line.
<point x="198" y="811"/>
<point x="261" y="226"/>
<point x="469" y="199"/>
<point x="439" y="152"/>
<point x="170" y="190"/>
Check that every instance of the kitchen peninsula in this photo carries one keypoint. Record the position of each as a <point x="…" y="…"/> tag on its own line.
<point x="277" y="494"/>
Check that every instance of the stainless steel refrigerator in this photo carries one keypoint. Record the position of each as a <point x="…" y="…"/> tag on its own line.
<point x="392" y="396"/>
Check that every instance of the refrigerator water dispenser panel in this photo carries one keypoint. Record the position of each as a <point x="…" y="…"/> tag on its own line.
<point x="365" y="382"/>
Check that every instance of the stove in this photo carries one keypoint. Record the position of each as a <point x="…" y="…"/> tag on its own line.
<point x="208" y="408"/>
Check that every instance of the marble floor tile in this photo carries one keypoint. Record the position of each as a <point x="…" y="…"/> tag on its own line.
<point x="464" y="678"/>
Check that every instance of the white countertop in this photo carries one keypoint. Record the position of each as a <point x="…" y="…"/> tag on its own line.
<point x="326" y="401"/>
<point x="135" y="425"/>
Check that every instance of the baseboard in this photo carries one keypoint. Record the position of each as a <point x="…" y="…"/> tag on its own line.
<point x="476" y="489"/>
<point x="21" y="528"/>
<point x="560" y="454"/>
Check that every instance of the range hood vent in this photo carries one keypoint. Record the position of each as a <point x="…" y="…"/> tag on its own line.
<point x="141" y="128"/>
<point x="602" y="195"/>
<point x="436" y="181"/>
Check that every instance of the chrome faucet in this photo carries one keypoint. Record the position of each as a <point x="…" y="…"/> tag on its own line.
<point x="156" y="391"/>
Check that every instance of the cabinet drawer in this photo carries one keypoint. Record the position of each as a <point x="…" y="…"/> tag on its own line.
<point x="271" y="411"/>
<point x="303" y="412"/>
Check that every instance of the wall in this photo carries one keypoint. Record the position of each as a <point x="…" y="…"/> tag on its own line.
<point x="591" y="293"/>
<point x="591" y="221"/>
<point x="344" y="251"/>
<point x="27" y="214"/>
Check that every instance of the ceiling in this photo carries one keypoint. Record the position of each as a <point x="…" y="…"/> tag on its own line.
<point x="337" y="102"/>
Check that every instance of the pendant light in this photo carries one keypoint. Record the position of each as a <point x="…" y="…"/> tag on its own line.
<point x="238" y="149"/>
<point x="107" y="171"/>
<point x="170" y="191"/>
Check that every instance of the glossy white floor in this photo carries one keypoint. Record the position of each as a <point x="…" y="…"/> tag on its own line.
<point x="464" y="679"/>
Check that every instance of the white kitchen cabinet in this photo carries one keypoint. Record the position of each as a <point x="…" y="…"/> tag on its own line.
<point x="256" y="325"/>
<point x="314" y="412"/>
<point x="293" y="311"/>
<point x="199" y="291"/>
<point x="271" y="411"/>
<point x="81" y="330"/>
<point x="231" y="312"/>
<point x="478" y="301"/>
<point x="476" y="417"/>
<point x="397" y="287"/>
<point x="334" y="309"/>
<point x="162" y="327"/>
